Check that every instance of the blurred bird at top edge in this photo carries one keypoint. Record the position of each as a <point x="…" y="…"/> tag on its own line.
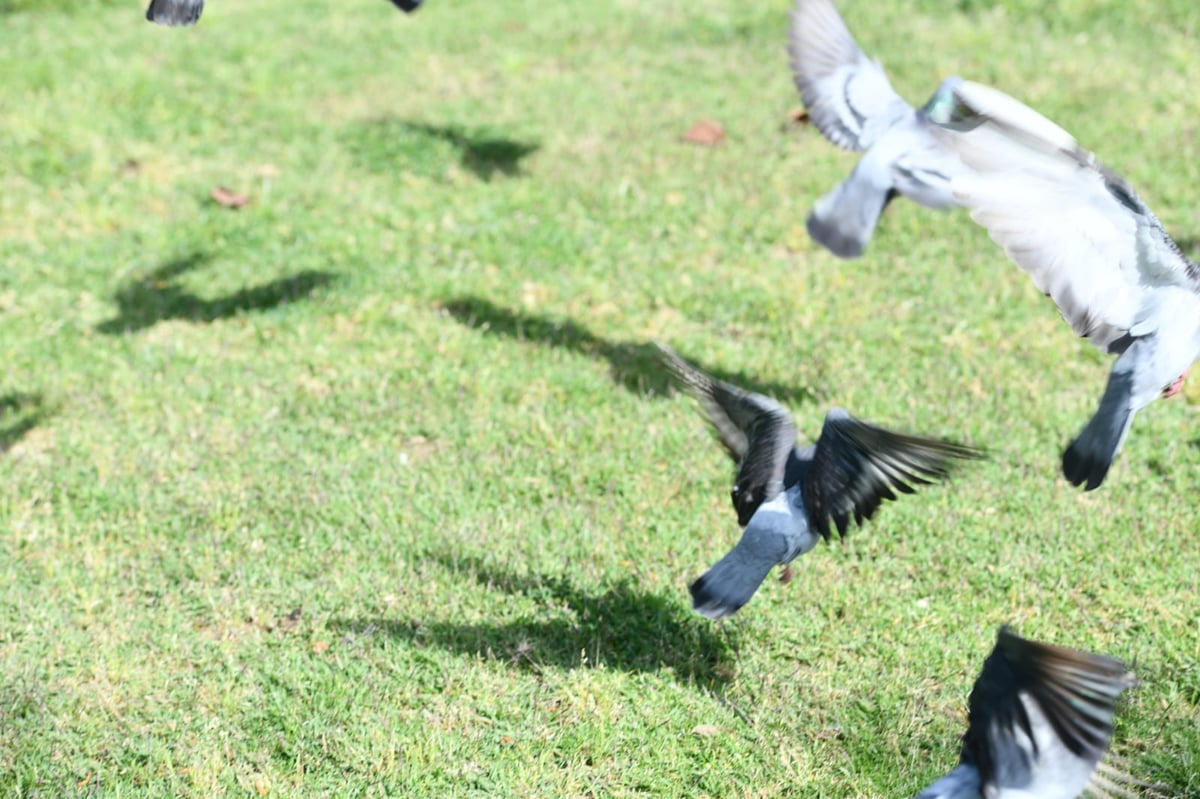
<point x="176" y="13"/>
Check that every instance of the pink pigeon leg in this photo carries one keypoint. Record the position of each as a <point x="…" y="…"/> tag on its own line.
<point x="1175" y="387"/>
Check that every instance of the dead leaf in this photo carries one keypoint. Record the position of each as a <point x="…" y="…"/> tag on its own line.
<point x="706" y="132"/>
<point x="228" y="198"/>
<point x="289" y="622"/>
<point x="799" y="116"/>
<point x="131" y="166"/>
<point x="320" y="646"/>
<point x="706" y="730"/>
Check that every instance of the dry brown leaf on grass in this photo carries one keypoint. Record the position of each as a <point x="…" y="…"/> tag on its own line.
<point x="706" y="132"/>
<point x="228" y="198"/>
<point x="289" y="622"/>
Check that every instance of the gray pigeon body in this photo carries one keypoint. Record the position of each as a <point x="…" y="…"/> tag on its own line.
<point x="1040" y="720"/>
<point x="1090" y="243"/>
<point x="787" y="498"/>
<point x="850" y="100"/>
<point x="187" y="12"/>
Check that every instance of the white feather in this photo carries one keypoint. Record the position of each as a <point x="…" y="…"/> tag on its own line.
<point x="847" y="94"/>
<point x="1056" y="772"/>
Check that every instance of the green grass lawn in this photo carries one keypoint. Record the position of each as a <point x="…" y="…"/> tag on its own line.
<point x="373" y="487"/>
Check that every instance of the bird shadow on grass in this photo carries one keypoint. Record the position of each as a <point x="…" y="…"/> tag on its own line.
<point x="618" y="626"/>
<point x="386" y="144"/>
<point x="42" y="6"/>
<point x="156" y="297"/>
<point x="635" y="365"/>
<point x="19" y="413"/>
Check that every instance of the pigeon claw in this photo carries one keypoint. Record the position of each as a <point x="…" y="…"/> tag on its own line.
<point x="785" y="576"/>
<point x="1175" y="387"/>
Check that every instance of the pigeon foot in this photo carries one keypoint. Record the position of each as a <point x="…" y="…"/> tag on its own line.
<point x="1175" y="387"/>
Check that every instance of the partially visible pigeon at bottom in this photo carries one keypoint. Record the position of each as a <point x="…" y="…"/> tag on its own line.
<point x="1039" y="723"/>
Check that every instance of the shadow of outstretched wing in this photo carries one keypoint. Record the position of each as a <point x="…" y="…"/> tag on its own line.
<point x="635" y="365"/>
<point x="618" y="625"/>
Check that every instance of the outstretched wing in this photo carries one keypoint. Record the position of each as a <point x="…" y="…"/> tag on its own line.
<point x="847" y="94"/>
<point x="1041" y="717"/>
<point x="756" y="431"/>
<point x="1077" y="228"/>
<point x="857" y="465"/>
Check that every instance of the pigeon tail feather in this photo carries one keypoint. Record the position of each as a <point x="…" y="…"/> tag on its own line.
<point x="844" y="220"/>
<point x="1091" y="454"/>
<point x="726" y="587"/>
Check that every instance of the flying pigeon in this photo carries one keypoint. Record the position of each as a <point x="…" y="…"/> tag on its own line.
<point x="1090" y="244"/>
<point x="187" y="12"/>
<point x="786" y="498"/>
<point x="1040" y="718"/>
<point x="850" y="101"/>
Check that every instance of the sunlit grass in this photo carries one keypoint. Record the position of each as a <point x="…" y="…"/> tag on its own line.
<point x="373" y="487"/>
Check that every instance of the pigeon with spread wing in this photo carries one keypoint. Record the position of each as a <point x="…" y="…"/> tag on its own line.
<point x="788" y="498"/>
<point x="849" y="99"/>
<point x="1090" y="243"/>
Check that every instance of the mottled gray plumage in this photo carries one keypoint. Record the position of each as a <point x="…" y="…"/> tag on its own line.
<point x="175" y="12"/>
<point x="1040" y="719"/>
<point x="849" y="99"/>
<point x="187" y="12"/>
<point x="1089" y="242"/>
<point x="787" y="498"/>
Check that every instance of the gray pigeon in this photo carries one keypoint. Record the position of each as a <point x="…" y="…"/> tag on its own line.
<point x="787" y="497"/>
<point x="850" y="101"/>
<point x="1040" y="719"/>
<point x="187" y="12"/>
<point x="1090" y="244"/>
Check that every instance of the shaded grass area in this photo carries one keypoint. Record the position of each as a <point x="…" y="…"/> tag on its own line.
<point x="157" y="296"/>
<point x="389" y="145"/>
<point x="635" y="365"/>
<point x="372" y="487"/>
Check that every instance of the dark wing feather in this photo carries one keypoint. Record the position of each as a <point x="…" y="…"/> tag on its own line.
<point x="1076" y="691"/>
<point x="756" y="431"/>
<point x="175" y="12"/>
<point x="857" y="465"/>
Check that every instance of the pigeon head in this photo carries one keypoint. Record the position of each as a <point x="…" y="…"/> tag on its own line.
<point x="945" y="107"/>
